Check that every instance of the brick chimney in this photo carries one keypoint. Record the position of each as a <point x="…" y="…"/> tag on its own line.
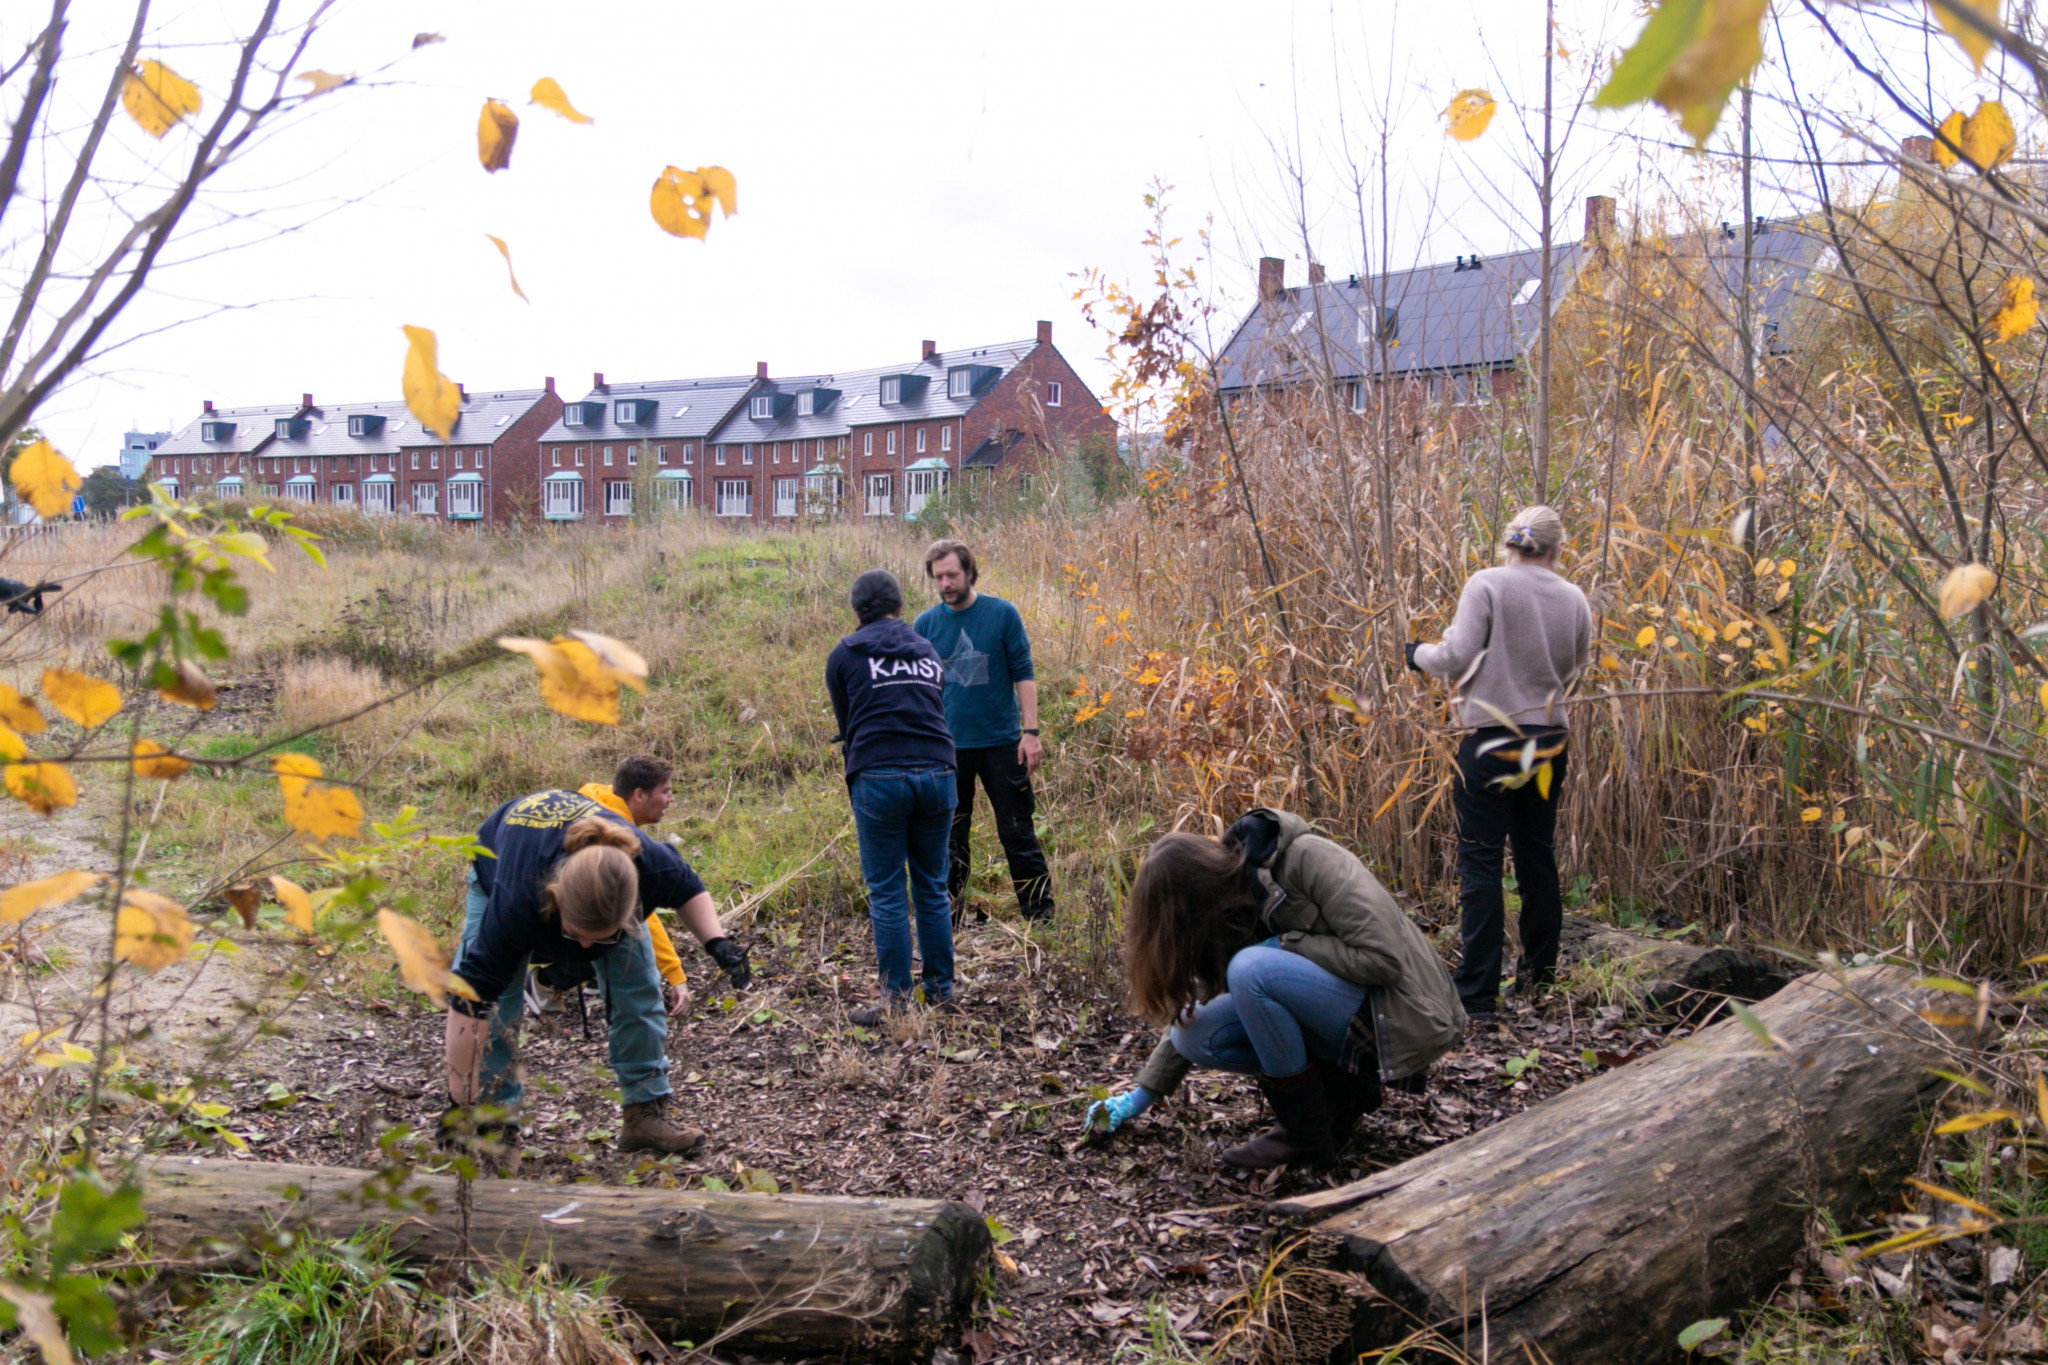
<point x="597" y="380"/>
<point x="1044" y="332"/>
<point x="306" y="399"/>
<point x="1599" y="218"/>
<point x="206" y="405"/>
<point x="1315" y="272"/>
<point x="930" y="349"/>
<point x="1916" y="149"/>
<point x="760" y="369"/>
<point x="547" y="385"/>
<point x="1272" y="278"/>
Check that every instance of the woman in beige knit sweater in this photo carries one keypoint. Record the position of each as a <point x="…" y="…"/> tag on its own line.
<point x="1520" y="638"/>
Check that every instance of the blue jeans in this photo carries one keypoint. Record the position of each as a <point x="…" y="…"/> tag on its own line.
<point x="1280" y="1009"/>
<point x="907" y="817"/>
<point x="634" y="1011"/>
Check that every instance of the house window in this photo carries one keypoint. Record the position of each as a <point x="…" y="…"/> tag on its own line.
<point x="564" y="498"/>
<point x="1436" y="388"/>
<point x="1052" y="393"/>
<point x="572" y="415"/>
<point x="678" y="492"/>
<point x="945" y="438"/>
<point x="762" y="408"/>
<point x="618" y="497"/>
<point x="626" y="411"/>
<point x="689" y="454"/>
<point x="426" y="499"/>
<point x="785" y="497"/>
<point x="921" y="486"/>
<point x="891" y="437"/>
<point x="466" y="499"/>
<point x="892" y="390"/>
<point x="345" y="494"/>
<point x="747" y="453"/>
<point x="735" y="498"/>
<point x="558" y="457"/>
<point x="867" y="443"/>
<point x="880" y="495"/>
<point x="661" y="454"/>
<point x="822" y="491"/>
<point x="806" y="403"/>
<point x="632" y="455"/>
<point x="579" y="457"/>
<point x="920" y="440"/>
<point x="478" y="462"/>
<point x="458" y="459"/>
<point x="960" y="384"/>
<point x="607" y="456"/>
<point x="718" y="455"/>
<point x="1357" y="392"/>
<point x="433" y="459"/>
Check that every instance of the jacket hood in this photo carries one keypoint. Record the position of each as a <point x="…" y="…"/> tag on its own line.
<point x="1292" y="826"/>
<point x="602" y="793"/>
<point x="889" y="638"/>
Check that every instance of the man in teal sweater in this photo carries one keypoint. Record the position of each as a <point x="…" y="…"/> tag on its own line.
<point x="992" y="709"/>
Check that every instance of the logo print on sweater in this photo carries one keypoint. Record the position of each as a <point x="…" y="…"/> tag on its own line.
<point x="549" y="810"/>
<point x="967" y="666"/>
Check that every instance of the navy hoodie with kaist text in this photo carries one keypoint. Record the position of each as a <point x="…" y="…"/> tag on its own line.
<point x="888" y="693"/>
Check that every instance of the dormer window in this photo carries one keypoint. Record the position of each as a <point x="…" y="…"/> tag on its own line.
<point x="629" y="412"/>
<point x="216" y="431"/>
<point x="364" y="424"/>
<point x="762" y="407"/>
<point x="807" y="403"/>
<point x="902" y="388"/>
<point x="965" y="381"/>
<point x="892" y="390"/>
<point x="289" y="427"/>
<point x="583" y="414"/>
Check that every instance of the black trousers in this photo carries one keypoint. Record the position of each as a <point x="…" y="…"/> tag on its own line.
<point x="1490" y="818"/>
<point x="1008" y="784"/>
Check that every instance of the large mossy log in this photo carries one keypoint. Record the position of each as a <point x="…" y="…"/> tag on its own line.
<point x="869" y="1278"/>
<point x="1675" y="974"/>
<point x="1597" y="1225"/>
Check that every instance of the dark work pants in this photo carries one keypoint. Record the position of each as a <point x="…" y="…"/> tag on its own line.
<point x="1489" y="819"/>
<point x="1009" y="794"/>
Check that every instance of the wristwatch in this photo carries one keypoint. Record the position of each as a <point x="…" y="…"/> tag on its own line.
<point x="1031" y="730"/>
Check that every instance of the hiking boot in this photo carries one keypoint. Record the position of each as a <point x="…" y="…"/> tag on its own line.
<point x="645" y="1130"/>
<point x="1351" y="1098"/>
<point x="1301" y="1137"/>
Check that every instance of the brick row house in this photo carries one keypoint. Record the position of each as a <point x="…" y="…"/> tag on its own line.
<point x="880" y="442"/>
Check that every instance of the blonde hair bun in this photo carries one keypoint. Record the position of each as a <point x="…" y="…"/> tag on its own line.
<point x="1535" y="532"/>
<point x="595" y="830"/>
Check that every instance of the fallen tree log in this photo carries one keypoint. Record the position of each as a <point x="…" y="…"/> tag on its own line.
<point x="881" y="1278"/>
<point x="1675" y="972"/>
<point x="1599" y="1224"/>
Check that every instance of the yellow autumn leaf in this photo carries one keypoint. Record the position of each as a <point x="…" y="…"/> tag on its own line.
<point x="20" y="713"/>
<point x="81" y="698"/>
<point x="13" y="747"/>
<point x="681" y="200"/>
<point x="2042" y="696"/>
<point x="1468" y="113"/>
<point x="151" y="759"/>
<point x="42" y="787"/>
<point x="190" y="687"/>
<point x="323" y="811"/>
<point x="1725" y="46"/>
<point x="322" y="81"/>
<point x="1810" y="815"/>
<point x="429" y="395"/>
<point x="1965" y="587"/>
<point x="2017" y="308"/>
<point x="151" y="931"/>
<point x="573" y="679"/>
<point x="1948" y="141"/>
<point x="421" y="964"/>
<point x="1610" y="663"/>
<point x="510" y="274"/>
<point x="1955" y="18"/>
<point x="45" y="478"/>
<point x="1988" y="136"/>
<point x="1646" y="637"/>
<point x="17" y="903"/>
<point x="1543" y="775"/>
<point x="1149" y="678"/>
<point x="298" y="906"/>
<point x="158" y="98"/>
<point x="621" y="659"/>
<point x="497" y="128"/>
<point x="548" y="95"/>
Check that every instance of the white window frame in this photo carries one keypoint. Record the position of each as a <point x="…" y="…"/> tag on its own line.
<point x="661" y="454"/>
<point x="747" y="452"/>
<point x="880" y="500"/>
<point x="466" y="499"/>
<point x="807" y="403"/>
<point x="960" y="383"/>
<point x="1052" y="393"/>
<point x="626" y="411"/>
<point x="889" y="439"/>
<point x="559" y="503"/>
<point x="718" y="454"/>
<point x="788" y="496"/>
<point x="867" y="443"/>
<point x="689" y="453"/>
<point x="558" y="458"/>
<point x="735" y="498"/>
<point x="426" y="499"/>
<point x="572" y="415"/>
<point x="892" y="390"/>
<point x="922" y="486"/>
<point x="607" y="457"/>
<point x="920" y="440"/>
<point x="946" y="438"/>
<point x="345" y="494"/>
<point x="377" y="497"/>
<point x="761" y="407"/>
<point x="618" y="497"/>
<point x="415" y="461"/>
<point x="433" y="459"/>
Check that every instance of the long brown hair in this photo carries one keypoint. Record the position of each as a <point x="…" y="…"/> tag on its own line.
<point x="595" y="888"/>
<point x="1189" y="911"/>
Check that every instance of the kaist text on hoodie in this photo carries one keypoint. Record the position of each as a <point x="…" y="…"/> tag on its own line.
<point x="888" y="694"/>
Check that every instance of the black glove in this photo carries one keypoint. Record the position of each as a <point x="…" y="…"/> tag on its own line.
<point x="1411" y="655"/>
<point x="733" y="959"/>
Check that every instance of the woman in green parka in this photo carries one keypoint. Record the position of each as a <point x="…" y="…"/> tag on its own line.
<point x="1274" y="952"/>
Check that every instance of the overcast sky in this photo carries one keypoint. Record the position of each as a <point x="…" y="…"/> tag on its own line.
<point x="904" y="172"/>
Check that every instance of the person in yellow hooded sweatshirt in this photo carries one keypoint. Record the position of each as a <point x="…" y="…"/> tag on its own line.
<point x="642" y="790"/>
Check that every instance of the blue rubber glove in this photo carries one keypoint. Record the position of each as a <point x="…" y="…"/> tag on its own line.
<point x="1106" y="1116"/>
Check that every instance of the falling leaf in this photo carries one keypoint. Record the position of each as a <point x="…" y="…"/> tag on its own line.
<point x="157" y="98"/>
<point x="506" y="252"/>
<point x="154" y="761"/>
<point x="575" y="680"/>
<point x="1985" y="137"/>
<point x="42" y="787"/>
<point x="1965" y="587"/>
<point x="151" y="931"/>
<point x="429" y="395"/>
<point x="1468" y="114"/>
<point x="420" y="962"/>
<point x="420" y="40"/>
<point x="1689" y="58"/>
<point x="2017" y="308"/>
<point x="81" y="698"/>
<point x="1955" y="17"/>
<point x="33" y="1313"/>
<point x="186" y="685"/>
<point x="45" y="478"/>
<point x="681" y="200"/>
<point x="243" y="898"/>
<point x="322" y="81"/>
<point x="497" y="128"/>
<point x="298" y="906"/>
<point x="17" y="903"/>
<point x="620" y="658"/>
<point x="548" y="95"/>
<point x="322" y="812"/>
<point x="20" y="713"/>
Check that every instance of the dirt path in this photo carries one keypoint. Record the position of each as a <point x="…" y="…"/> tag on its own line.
<point x="983" y="1108"/>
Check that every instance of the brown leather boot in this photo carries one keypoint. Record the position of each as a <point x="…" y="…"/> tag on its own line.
<point x="645" y="1130"/>
<point x="1302" y="1137"/>
<point x="1350" y="1099"/>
